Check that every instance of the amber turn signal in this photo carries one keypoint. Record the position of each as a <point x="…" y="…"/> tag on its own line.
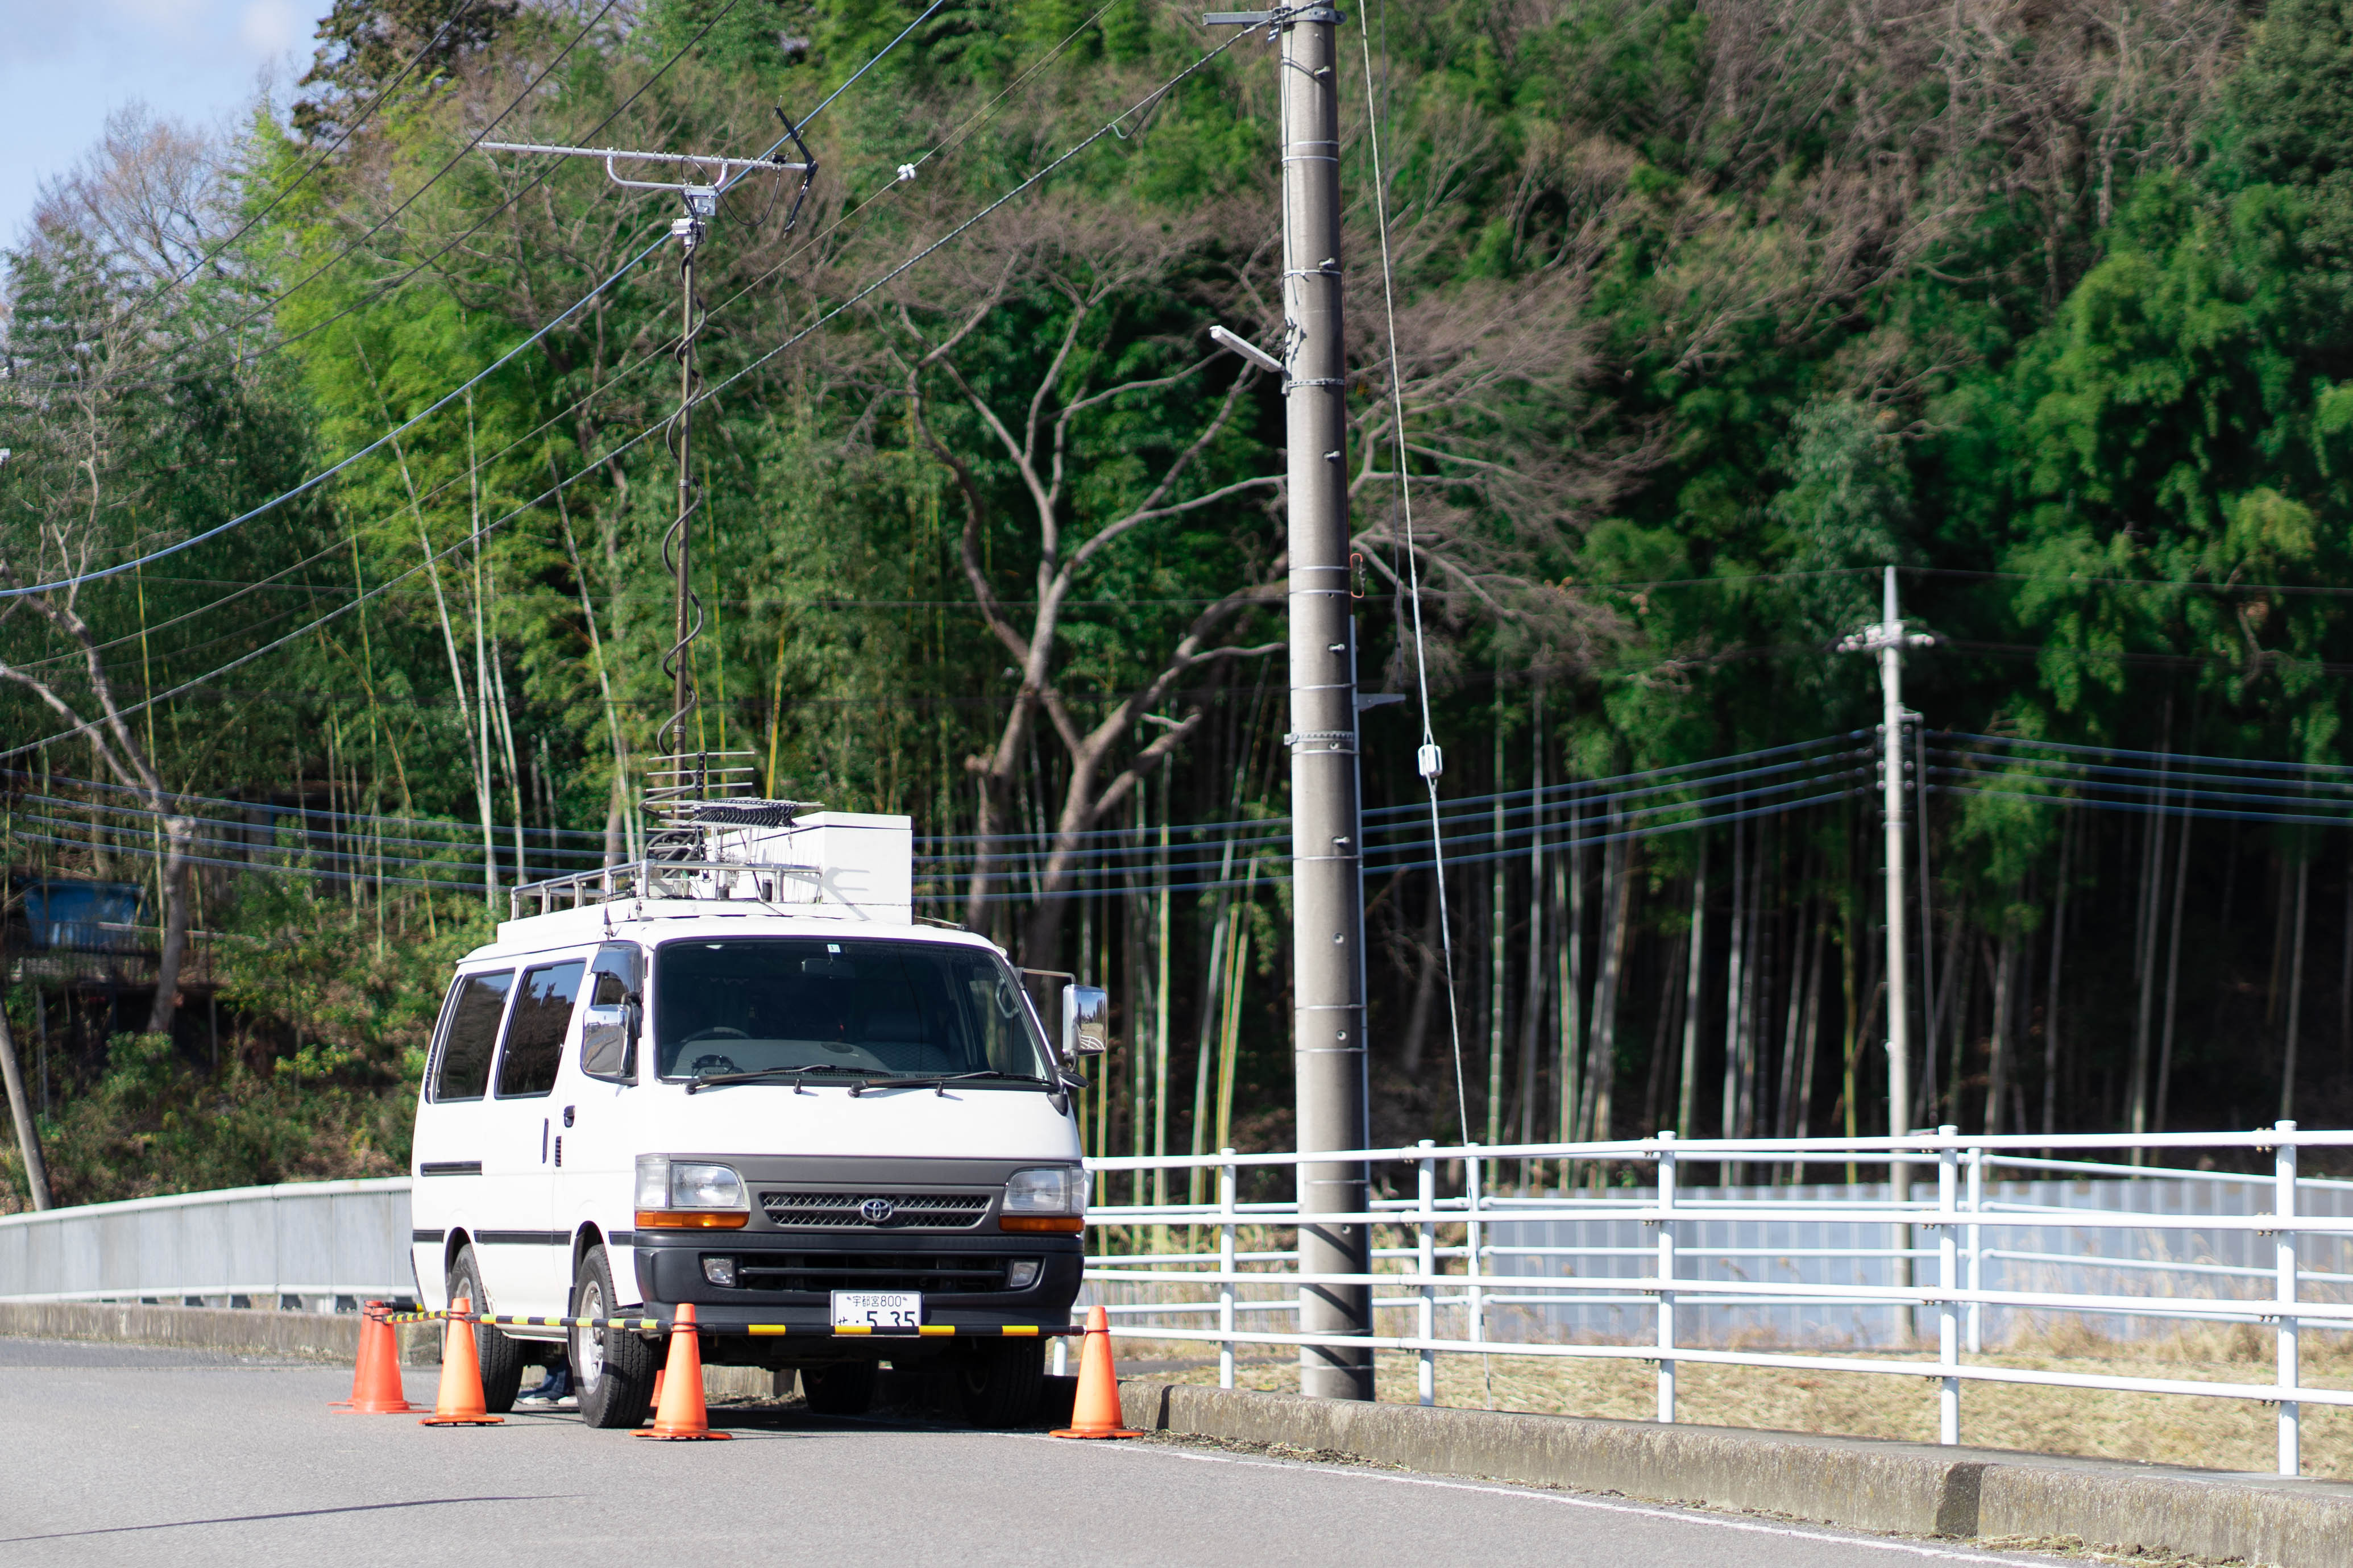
<point x="1066" y="1224"/>
<point x="692" y="1219"/>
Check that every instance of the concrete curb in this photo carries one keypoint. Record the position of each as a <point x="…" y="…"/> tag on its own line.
<point x="303" y="1336"/>
<point x="1914" y="1489"/>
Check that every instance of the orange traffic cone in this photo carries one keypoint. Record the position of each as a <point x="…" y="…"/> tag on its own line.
<point x="1095" y="1412"/>
<point x="655" y="1403"/>
<point x="680" y="1417"/>
<point x="460" y="1400"/>
<point x="375" y="1376"/>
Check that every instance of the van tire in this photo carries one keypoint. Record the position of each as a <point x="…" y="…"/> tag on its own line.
<point x="1001" y="1384"/>
<point x="841" y="1388"/>
<point x="616" y="1397"/>
<point x="499" y="1358"/>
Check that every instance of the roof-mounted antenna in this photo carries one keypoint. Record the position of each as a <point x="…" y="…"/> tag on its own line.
<point x="682" y="771"/>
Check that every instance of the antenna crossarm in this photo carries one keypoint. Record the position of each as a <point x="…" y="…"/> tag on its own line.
<point x="1882" y="635"/>
<point x="726" y="165"/>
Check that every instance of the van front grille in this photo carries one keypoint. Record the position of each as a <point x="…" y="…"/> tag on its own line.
<point x="850" y="1210"/>
<point x="818" y="1273"/>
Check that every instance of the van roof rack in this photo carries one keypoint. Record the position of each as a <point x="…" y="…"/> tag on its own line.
<point x="717" y="881"/>
<point x="761" y="852"/>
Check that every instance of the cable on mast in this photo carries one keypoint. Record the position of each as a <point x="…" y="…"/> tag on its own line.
<point x="684" y="772"/>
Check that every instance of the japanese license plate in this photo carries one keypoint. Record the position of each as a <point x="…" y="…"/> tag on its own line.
<point x="878" y="1308"/>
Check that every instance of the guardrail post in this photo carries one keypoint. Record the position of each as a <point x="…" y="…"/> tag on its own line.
<point x="1666" y="1278"/>
<point x="2291" y="1411"/>
<point x="1426" y="1265"/>
<point x="1949" y="1344"/>
<point x="1226" y="1268"/>
<point x="1478" y="1298"/>
<point x="1977" y="1255"/>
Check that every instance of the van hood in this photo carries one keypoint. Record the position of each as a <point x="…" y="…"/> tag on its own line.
<point x="962" y="1123"/>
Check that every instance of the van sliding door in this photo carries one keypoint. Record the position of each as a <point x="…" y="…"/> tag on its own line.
<point x="526" y="1264"/>
<point x="448" y="1194"/>
<point x="595" y="1164"/>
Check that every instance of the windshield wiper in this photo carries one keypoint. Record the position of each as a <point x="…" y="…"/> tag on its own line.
<point x="939" y="1085"/>
<point x="709" y="1079"/>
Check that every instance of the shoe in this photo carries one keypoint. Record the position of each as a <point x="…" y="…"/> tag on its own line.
<point x="555" y="1391"/>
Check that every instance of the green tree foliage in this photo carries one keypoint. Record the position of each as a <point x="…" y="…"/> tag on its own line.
<point x="1706" y="312"/>
<point x="366" y="47"/>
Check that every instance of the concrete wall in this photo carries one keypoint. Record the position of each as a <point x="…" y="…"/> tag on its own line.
<point x="301" y="1243"/>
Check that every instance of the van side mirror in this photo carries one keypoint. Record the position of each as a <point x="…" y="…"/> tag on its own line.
<point x="1086" y="1022"/>
<point x="608" y="1040"/>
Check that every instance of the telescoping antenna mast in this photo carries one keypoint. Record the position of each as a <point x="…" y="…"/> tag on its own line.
<point x="682" y="772"/>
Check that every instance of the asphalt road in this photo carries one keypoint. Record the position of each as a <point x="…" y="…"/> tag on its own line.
<point x="124" y="1455"/>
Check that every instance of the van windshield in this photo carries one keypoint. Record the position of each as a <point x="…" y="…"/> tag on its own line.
<point x="877" y="1009"/>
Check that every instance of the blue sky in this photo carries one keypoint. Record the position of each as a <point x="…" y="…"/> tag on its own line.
<point x="65" y="64"/>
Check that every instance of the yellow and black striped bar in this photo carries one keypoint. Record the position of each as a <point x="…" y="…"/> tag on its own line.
<point x="642" y="1325"/>
<point x="655" y="1325"/>
<point x="927" y="1331"/>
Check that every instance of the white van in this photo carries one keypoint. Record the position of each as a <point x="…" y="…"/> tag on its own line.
<point x="752" y="1081"/>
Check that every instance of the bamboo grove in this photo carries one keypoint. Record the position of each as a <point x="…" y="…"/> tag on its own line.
<point x="1704" y="312"/>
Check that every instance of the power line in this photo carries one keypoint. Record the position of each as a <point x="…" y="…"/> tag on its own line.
<point x="325" y="474"/>
<point x="2079" y="749"/>
<point x="1264" y="842"/>
<point x="382" y="289"/>
<point x="619" y="377"/>
<point x="1108" y="128"/>
<point x="302" y="175"/>
<point x="708" y="393"/>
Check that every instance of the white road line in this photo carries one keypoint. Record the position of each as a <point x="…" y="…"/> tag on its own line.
<point x="1568" y="1499"/>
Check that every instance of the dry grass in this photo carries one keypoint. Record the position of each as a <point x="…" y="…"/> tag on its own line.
<point x="2232" y="1435"/>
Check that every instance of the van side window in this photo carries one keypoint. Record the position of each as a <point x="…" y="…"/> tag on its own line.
<point x="477" y="1002"/>
<point x="613" y="979"/>
<point x="535" y="1031"/>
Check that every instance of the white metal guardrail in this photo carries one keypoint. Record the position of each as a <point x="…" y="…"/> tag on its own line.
<point x="1471" y="1272"/>
<point x="316" y="1245"/>
<point x="1601" y="1265"/>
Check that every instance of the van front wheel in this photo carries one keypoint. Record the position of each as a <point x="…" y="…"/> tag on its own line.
<point x="840" y="1388"/>
<point x="1002" y="1382"/>
<point x="612" y="1369"/>
<point x="499" y="1358"/>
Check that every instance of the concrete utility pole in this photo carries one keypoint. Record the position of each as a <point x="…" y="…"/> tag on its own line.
<point x="1888" y="639"/>
<point x="20" y="1111"/>
<point x="1328" y="925"/>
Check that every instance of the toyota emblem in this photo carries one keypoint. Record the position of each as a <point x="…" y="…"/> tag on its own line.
<point x="877" y="1211"/>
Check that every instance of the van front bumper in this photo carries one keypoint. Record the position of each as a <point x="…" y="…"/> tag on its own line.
<point x="788" y="1279"/>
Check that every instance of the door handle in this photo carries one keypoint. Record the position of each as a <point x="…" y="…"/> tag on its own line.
<point x="543" y="1140"/>
<point x="568" y="1116"/>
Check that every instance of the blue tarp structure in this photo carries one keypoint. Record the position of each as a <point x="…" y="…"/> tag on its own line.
<point x="77" y="915"/>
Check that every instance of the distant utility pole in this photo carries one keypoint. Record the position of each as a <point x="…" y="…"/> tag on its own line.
<point x="20" y="1111"/>
<point x="1327" y="923"/>
<point x="1888" y="639"/>
<point x="682" y="769"/>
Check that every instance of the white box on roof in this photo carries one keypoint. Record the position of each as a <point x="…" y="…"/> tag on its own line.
<point x="862" y="861"/>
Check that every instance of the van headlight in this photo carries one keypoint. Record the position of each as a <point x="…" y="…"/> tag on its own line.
<point x="1050" y="1198"/>
<point x="680" y="1194"/>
